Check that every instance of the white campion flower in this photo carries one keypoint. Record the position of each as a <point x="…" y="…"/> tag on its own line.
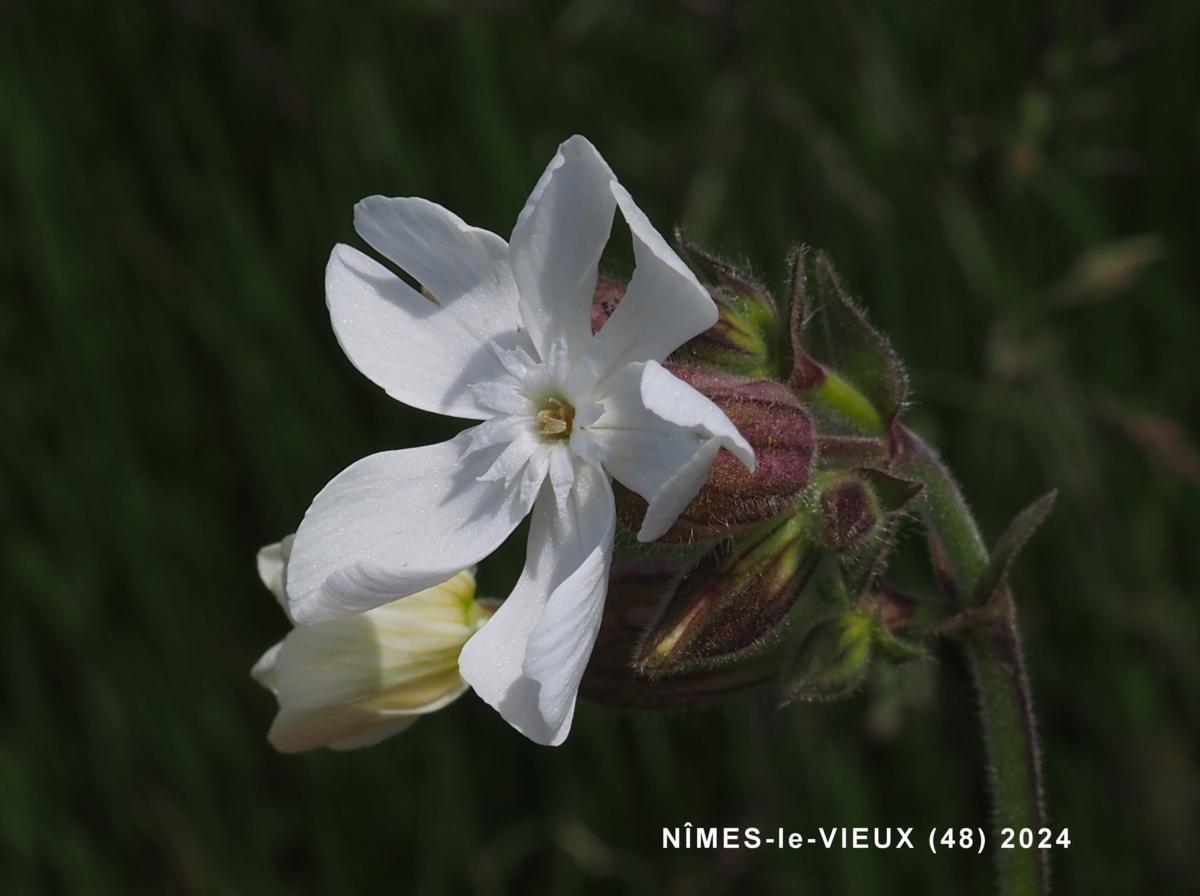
<point x="503" y="335"/>
<point x="352" y="681"/>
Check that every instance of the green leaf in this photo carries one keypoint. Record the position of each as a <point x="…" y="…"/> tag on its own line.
<point x="1019" y="531"/>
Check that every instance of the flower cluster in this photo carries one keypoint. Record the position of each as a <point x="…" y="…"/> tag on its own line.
<point x="776" y="575"/>
<point x="760" y="453"/>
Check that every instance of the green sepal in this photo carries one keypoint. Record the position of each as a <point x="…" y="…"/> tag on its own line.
<point x="893" y="492"/>
<point x="832" y="662"/>
<point x="839" y="359"/>
<point x="748" y="338"/>
<point x="896" y="649"/>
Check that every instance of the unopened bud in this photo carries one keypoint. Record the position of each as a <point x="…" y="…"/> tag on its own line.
<point x="846" y="368"/>
<point x="733" y="602"/>
<point x="637" y="588"/>
<point x="749" y="338"/>
<point x="853" y="505"/>
<point x="848" y="513"/>
<point x="779" y="429"/>
<point x="832" y="661"/>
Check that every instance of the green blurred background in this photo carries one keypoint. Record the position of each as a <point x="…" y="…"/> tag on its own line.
<point x="1011" y="189"/>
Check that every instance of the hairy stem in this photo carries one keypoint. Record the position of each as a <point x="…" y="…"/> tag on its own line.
<point x="993" y="648"/>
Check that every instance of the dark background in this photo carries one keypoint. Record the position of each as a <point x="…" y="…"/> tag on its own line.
<point x="1012" y="190"/>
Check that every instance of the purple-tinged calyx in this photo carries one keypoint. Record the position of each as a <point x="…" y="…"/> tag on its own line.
<point x="732" y="605"/>
<point x="854" y="505"/>
<point x="776" y="425"/>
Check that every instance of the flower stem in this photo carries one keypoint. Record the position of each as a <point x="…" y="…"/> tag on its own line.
<point x="992" y="644"/>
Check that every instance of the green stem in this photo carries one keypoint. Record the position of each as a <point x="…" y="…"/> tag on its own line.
<point x="993" y="649"/>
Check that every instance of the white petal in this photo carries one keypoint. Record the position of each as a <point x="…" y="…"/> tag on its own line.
<point x="562" y="475"/>
<point x="503" y="397"/>
<point x="663" y="307"/>
<point x="465" y="268"/>
<point x="272" y="561"/>
<point x="345" y="727"/>
<point x="499" y="431"/>
<point x="395" y="523"/>
<point x="537" y="468"/>
<point x="559" y="649"/>
<point x="264" y="670"/>
<point x="380" y="731"/>
<point x="295" y="732"/>
<point x="421" y="353"/>
<point x="661" y="436"/>
<point x="516" y="361"/>
<point x="676" y="491"/>
<point x="513" y="458"/>
<point x="556" y="245"/>
<point x="528" y="659"/>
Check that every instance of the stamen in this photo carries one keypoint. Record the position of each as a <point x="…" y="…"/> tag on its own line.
<point x="554" y="420"/>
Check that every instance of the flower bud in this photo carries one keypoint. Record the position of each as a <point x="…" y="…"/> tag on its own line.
<point x="779" y="429"/>
<point x="846" y="368"/>
<point x="352" y="681"/>
<point x="637" y="588"/>
<point x="731" y="604"/>
<point x="848" y="513"/>
<point x="832" y="660"/>
<point x="852" y="506"/>
<point x="748" y="338"/>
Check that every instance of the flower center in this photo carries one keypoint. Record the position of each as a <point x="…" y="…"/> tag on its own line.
<point x="554" y="420"/>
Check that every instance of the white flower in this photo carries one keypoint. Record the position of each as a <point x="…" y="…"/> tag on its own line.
<point x="503" y="335"/>
<point x="352" y="681"/>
